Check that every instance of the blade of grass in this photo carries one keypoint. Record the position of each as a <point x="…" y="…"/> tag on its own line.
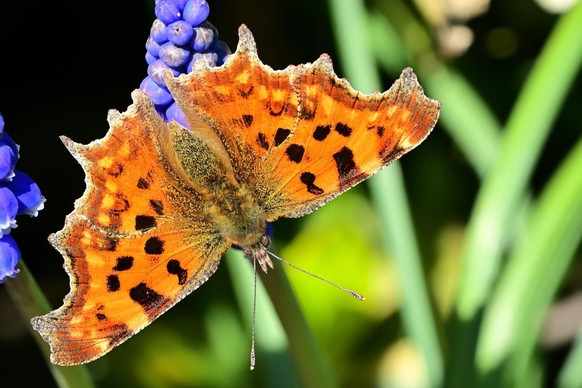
<point x="388" y="193"/>
<point x="31" y="302"/>
<point x="354" y="44"/>
<point x="273" y="360"/>
<point x="571" y="374"/>
<point x="503" y="191"/>
<point x="387" y="46"/>
<point x="513" y="320"/>
<point x="527" y="129"/>
<point x="389" y="198"/>
<point x="466" y="118"/>
<point x="309" y="365"/>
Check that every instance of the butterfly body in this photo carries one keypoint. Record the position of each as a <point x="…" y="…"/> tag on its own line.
<point x="228" y="203"/>
<point x="163" y="203"/>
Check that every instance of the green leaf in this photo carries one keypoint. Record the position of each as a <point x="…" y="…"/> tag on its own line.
<point x="542" y="255"/>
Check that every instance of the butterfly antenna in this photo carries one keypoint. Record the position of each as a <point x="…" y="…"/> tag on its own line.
<point x="352" y="293"/>
<point x="254" y="315"/>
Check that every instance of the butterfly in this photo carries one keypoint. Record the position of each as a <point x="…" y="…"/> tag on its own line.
<point x="163" y="203"/>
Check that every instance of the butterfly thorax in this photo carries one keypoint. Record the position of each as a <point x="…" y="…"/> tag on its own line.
<point x="228" y="204"/>
<point x="237" y="216"/>
<point x="241" y="221"/>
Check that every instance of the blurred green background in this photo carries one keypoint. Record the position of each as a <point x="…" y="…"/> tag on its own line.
<point x="468" y="250"/>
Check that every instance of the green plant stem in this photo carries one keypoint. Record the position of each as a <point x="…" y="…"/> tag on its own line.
<point x="389" y="194"/>
<point x="30" y="302"/>
<point x="311" y="365"/>
<point x="389" y="198"/>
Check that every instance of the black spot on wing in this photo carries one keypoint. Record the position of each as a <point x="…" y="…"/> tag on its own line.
<point x="343" y="129"/>
<point x="281" y="135"/>
<point x="157" y="206"/>
<point x="143" y="184"/>
<point x="145" y="296"/>
<point x="144" y="222"/>
<point x="123" y="263"/>
<point x="321" y="132"/>
<point x="344" y="160"/>
<point x="113" y="283"/>
<point x="247" y="120"/>
<point x="308" y="179"/>
<point x="295" y="152"/>
<point x="154" y="246"/>
<point x="262" y="141"/>
<point x="175" y="268"/>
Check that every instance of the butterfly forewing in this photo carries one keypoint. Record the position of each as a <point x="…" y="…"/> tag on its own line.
<point x="301" y="136"/>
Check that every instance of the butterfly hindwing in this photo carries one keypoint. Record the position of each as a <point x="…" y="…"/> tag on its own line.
<point x="135" y="244"/>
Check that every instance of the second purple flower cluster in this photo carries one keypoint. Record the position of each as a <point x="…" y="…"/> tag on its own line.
<point x="19" y="194"/>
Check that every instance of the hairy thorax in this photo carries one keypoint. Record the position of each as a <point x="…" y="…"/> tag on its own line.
<point x="228" y="204"/>
<point x="237" y="215"/>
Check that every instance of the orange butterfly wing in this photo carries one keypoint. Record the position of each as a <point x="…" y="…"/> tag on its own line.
<point x="135" y="244"/>
<point x="301" y="136"/>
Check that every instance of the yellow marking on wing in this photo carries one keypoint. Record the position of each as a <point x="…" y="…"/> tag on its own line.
<point x="111" y="186"/>
<point x="222" y="89"/>
<point x="263" y="92"/>
<point x="279" y="95"/>
<point x="86" y="240"/>
<point x="107" y="202"/>
<point x="392" y="110"/>
<point x="106" y="162"/>
<point x="104" y="219"/>
<point x="405" y="115"/>
<point x="243" y="77"/>
<point x="124" y="150"/>
<point x="327" y="104"/>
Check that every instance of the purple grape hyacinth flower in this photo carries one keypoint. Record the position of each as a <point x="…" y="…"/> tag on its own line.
<point x="9" y="256"/>
<point x="8" y="153"/>
<point x="19" y="194"/>
<point x="178" y="37"/>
